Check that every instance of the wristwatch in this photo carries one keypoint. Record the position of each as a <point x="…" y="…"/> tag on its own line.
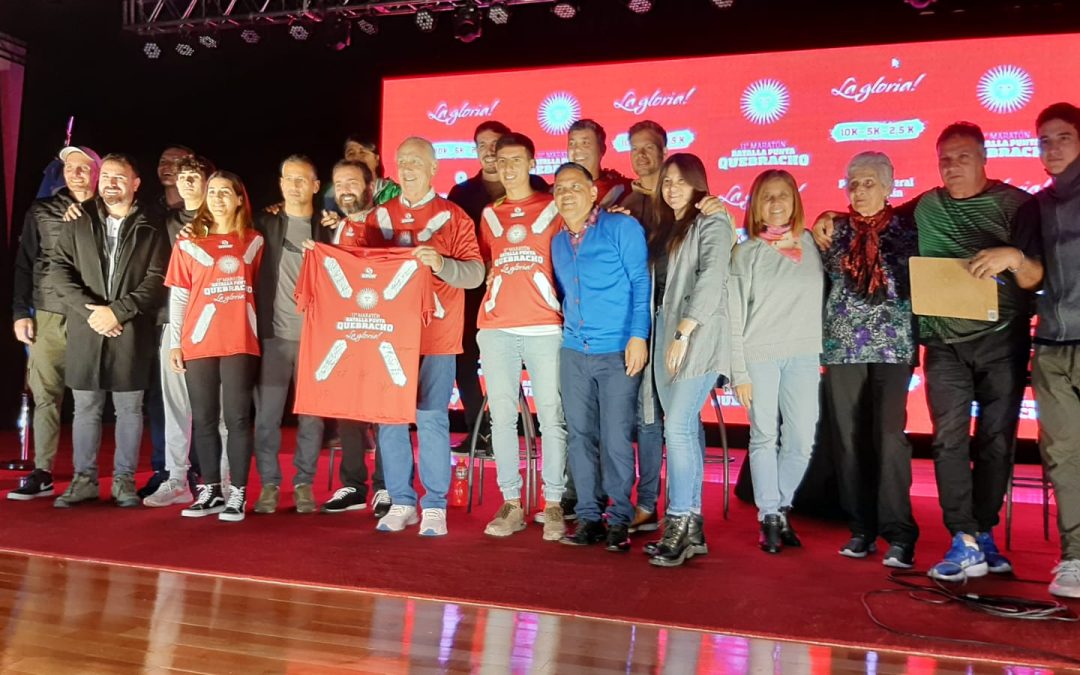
<point x="682" y="337"/>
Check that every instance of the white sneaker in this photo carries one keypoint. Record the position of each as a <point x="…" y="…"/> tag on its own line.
<point x="434" y="523"/>
<point x="1066" y="583"/>
<point x="397" y="519"/>
<point x="170" y="492"/>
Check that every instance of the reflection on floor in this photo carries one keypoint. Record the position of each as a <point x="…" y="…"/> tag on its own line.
<point x="61" y="616"/>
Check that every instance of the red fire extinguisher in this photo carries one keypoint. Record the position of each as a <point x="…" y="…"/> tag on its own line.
<point x="459" y="487"/>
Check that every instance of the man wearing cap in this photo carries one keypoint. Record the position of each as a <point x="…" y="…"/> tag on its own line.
<point x="39" y="315"/>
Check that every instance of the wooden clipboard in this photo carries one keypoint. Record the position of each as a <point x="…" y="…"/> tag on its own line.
<point x="944" y="287"/>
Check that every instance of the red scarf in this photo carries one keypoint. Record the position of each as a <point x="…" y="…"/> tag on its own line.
<point x="862" y="264"/>
<point x="780" y="239"/>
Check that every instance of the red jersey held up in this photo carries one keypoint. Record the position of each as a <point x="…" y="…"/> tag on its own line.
<point x="364" y="311"/>
<point x="219" y="271"/>
<point x="516" y="239"/>
<point x="444" y="226"/>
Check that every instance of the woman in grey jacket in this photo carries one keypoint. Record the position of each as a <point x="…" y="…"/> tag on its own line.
<point x="776" y="296"/>
<point x="689" y="254"/>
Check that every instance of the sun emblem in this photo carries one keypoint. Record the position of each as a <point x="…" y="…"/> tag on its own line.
<point x="557" y="112"/>
<point x="367" y="298"/>
<point x="516" y="234"/>
<point x="1005" y="89"/>
<point x="228" y="264"/>
<point x="765" y="101"/>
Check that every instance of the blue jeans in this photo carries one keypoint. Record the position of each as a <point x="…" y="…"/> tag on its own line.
<point x="682" y="403"/>
<point x="780" y="451"/>
<point x="650" y="455"/>
<point x="502" y="354"/>
<point x="599" y="401"/>
<point x="433" y="430"/>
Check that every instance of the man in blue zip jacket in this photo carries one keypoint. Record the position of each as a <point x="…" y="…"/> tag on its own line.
<point x="601" y="266"/>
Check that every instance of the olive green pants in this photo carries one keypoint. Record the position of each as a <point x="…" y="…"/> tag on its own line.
<point x="1056" y="379"/>
<point x="46" y="378"/>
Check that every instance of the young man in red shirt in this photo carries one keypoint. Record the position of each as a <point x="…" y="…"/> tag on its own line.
<point x="444" y="239"/>
<point x="520" y="322"/>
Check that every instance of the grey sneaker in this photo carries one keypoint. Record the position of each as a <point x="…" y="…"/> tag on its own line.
<point x="83" y="488"/>
<point x="123" y="490"/>
<point x="509" y="519"/>
<point x="268" y="499"/>
<point x="1066" y="583"/>
<point x="304" y="498"/>
<point x="554" y="525"/>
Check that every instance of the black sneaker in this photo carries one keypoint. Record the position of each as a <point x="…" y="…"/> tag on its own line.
<point x="234" y="507"/>
<point x="156" y="479"/>
<point x="345" y="499"/>
<point x="901" y="556"/>
<point x="586" y="534"/>
<point x="380" y="504"/>
<point x="208" y="502"/>
<point x="859" y="547"/>
<point x="618" y="539"/>
<point x="38" y="483"/>
<point x="787" y="532"/>
<point x="568" y="506"/>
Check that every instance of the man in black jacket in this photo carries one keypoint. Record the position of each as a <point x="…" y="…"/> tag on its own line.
<point x="108" y="270"/>
<point x="472" y="196"/>
<point x="39" y="315"/>
<point x="279" y="334"/>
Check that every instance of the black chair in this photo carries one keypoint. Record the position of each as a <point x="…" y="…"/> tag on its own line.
<point x="724" y="458"/>
<point x="1041" y="482"/>
<point x="530" y="456"/>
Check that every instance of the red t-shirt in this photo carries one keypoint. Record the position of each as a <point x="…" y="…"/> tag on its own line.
<point x="364" y="310"/>
<point x="219" y="271"/>
<point x="516" y="237"/>
<point x="442" y="225"/>
<point x="611" y="188"/>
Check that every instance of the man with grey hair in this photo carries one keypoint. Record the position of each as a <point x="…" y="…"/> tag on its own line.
<point x="444" y="239"/>
<point x="39" y="314"/>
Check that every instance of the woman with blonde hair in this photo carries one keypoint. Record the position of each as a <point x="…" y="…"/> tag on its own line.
<point x="776" y="295"/>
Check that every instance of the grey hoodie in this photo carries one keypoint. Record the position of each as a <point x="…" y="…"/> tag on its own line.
<point x="1059" y="303"/>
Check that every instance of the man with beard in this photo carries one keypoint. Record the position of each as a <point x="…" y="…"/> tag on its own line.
<point x="108" y="270"/>
<point x="472" y="196"/>
<point x="39" y="314"/>
<point x="353" y="182"/>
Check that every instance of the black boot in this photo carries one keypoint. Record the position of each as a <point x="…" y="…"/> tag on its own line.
<point x="586" y="534"/>
<point x="787" y="532"/>
<point x="675" y="547"/>
<point x="697" y="534"/>
<point x="770" y="534"/>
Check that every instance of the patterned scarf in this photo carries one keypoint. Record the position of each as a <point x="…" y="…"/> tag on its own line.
<point x="780" y="239"/>
<point x="862" y="264"/>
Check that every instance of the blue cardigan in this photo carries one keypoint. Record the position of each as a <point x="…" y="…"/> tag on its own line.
<point x="605" y="285"/>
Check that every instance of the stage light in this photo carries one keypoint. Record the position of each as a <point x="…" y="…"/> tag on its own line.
<point x="299" y="32"/>
<point x="639" y="6"/>
<point x="723" y="4"/>
<point x="499" y="13"/>
<point x="250" y="36"/>
<point x="152" y="49"/>
<point x="425" y="20"/>
<point x="565" y="10"/>
<point x="185" y="46"/>
<point x="209" y="40"/>
<point x="368" y="26"/>
<point x="338" y="34"/>
<point x="467" y="22"/>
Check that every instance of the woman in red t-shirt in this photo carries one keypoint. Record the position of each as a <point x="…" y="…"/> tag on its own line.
<point x="214" y="337"/>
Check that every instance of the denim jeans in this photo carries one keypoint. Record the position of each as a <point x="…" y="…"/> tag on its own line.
<point x="502" y="354"/>
<point x="650" y="454"/>
<point x="780" y="450"/>
<point x="599" y="400"/>
<point x="86" y="430"/>
<point x="682" y="403"/>
<point x="433" y="431"/>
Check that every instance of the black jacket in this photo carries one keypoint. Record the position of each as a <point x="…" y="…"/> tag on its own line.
<point x="175" y="220"/>
<point x="78" y="271"/>
<point x="42" y="227"/>
<point x="273" y="228"/>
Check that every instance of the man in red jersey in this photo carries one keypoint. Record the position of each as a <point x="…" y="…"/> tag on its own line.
<point x="586" y="144"/>
<point x="520" y="320"/>
<point x="445" y="241"/>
